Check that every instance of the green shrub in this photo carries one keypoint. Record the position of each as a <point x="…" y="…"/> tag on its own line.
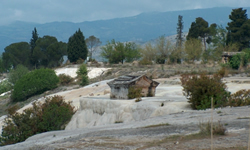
<point x="84" y="81"/>
<point x="5" y="86"/>
<point x="200" y="89"/>
<point x="53" y="114"/>
<point x="82" y="73"/>
<point x="240" y="98"/>
<point x="239" y="60"/>
<point x="134" y="92"/>
<point x="64" y="79"/>
<point x="34" y="82"/>
<point x="17" y="73"/>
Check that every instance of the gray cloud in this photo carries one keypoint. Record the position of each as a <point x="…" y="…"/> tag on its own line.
<point x="89" y="10"/>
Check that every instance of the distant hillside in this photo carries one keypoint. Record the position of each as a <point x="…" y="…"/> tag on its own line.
<point x="140" y="28"/>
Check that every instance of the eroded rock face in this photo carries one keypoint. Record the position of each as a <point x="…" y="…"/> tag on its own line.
<point x="99" y="111"/>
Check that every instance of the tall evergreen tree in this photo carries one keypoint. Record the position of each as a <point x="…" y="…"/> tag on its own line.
<point x="77" y="48"/>
<point x="239" y="29"/>
<point x="179" y="37"/>
<point x="32" y="46"/>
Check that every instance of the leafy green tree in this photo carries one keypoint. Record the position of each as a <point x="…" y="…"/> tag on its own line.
<point x="193" y="50"/>
<point x="117" y="52"/>
<point x="179" y="37"/>
<point x="16" y="53"/>
<point x="49" y="52"/>
<point x="77" y="48"/>
<point x="17" y="73"/>
<point x="5" y="86"/>
<point x="92" y="43"/>
<point x="239" y="28"/>
<point x="32" y="46"/>
<point x="34" y="82"/>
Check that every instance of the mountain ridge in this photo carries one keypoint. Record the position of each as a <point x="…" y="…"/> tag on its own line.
<point x="143" y="27"/>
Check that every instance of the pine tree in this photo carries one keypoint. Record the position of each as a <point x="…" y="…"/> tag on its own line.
<point x="238" y="29"/>
<point x="77" y="48"/>
<point x="179" y="37"/>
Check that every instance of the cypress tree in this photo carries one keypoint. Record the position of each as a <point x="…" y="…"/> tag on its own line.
<point x="179" y="37"/>
<point x="77" y="48"/>
<point x="238" y="29"/>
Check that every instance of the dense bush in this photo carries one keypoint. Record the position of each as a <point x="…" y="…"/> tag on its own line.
<point x="65" y="79"/>
<point x="239" y="60"/>
<point x="82" y="73"/>
<point x="34" y="82"/>
<point x="17" y="73"/>
<point x="240" y="98"/>
<point x="53" y="114"/>
<point x="5" y="86"/>
<point x="200" y="89"/>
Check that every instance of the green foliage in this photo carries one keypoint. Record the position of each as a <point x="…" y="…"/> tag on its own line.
<point x="16" y="53"/>
<point x="2" y="68"/>
<point x="239" y="60"/>
<point x="240" y="98"/>
<point x="5" y="86"/>
<point x="200" y="89"/>
<point x="34" y="82"/>
<point x="32" y="46"/>
<point x="77" y="47"/>
<point x="239" y="28"/>
<point x="148" y="54"/>
<point x="51" y="115"/>
<point x="117" y="52"/>
<point x="179" y="37"/>
<point x="193" y="50"/>
<point x="48" y="52"/>
<point x="17" y="73"/>
<point x="64" y="79"/>
<point x="134" y="92"/>
<point x="82" y="72"/>
<point x="84" y="80"/>
<point x="200" y="28"/>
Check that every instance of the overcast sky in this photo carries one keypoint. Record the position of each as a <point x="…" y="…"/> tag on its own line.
<point x="42" y="11"/>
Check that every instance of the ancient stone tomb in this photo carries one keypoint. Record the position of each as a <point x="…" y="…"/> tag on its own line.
<point x="121" y="86"/>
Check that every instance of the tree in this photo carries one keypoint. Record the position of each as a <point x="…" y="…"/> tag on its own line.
<point x="239" y="29"/>
<point x="49" y="52"/>
<point x="2" y="69"/>
<point x="179" y="37"/>
<point x="92" y="43"/>
<point x="163" y="50"/>
<point x="77" y="48"/>
<point x="200" y="29"/>
<point x="33" y="45"/>
<point x="16" y="53"/>
<point x="117" y="52"/>
<point x="193" y="49"/>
